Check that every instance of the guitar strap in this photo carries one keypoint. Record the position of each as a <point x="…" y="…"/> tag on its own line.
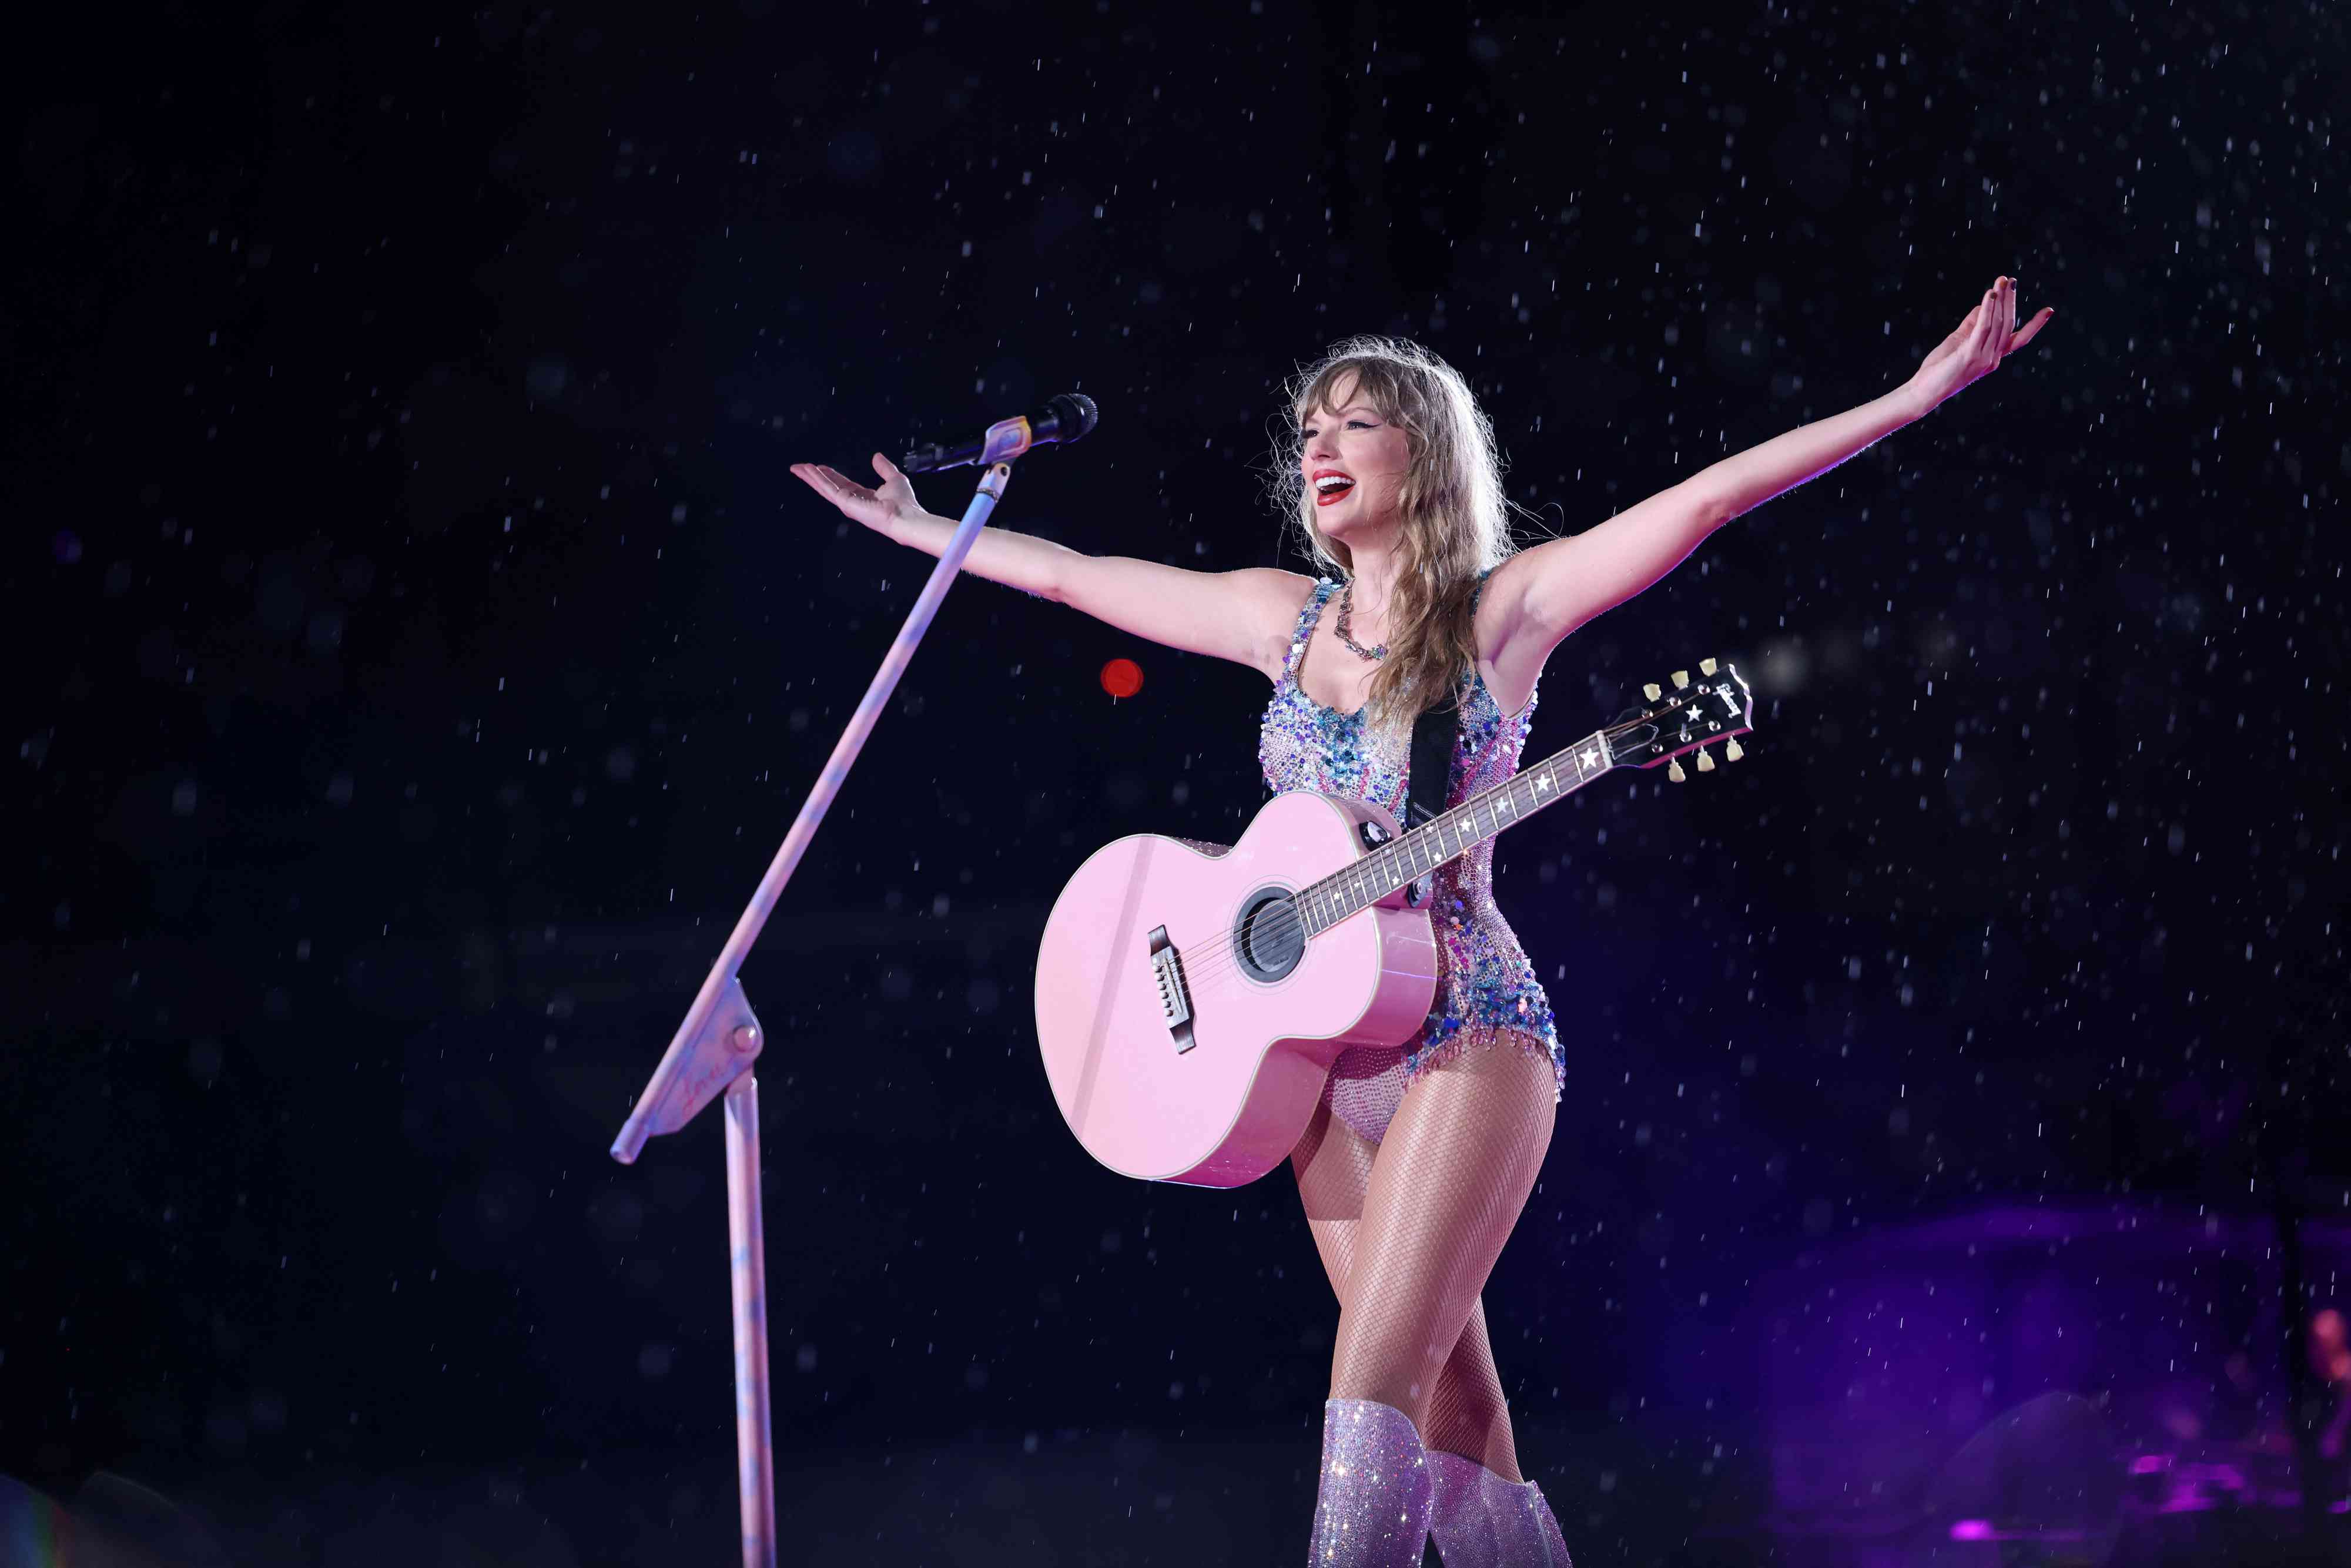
<point x="1432" y="762"/>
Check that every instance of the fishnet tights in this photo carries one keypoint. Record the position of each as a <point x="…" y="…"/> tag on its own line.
<point x="1409" y="1229"/>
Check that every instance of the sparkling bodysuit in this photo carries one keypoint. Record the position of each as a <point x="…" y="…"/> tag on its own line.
<point x="1486" y="988"/>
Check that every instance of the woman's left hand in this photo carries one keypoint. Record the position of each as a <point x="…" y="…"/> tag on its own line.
<point x="1976" y="345"/>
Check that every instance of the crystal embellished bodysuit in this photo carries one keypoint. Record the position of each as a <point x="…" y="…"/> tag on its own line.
<point x="1486" y="988"/>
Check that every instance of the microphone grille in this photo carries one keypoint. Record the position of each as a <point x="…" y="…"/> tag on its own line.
<point x="1077" y="414"/>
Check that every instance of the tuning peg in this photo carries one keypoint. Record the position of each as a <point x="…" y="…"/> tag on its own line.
<point x="1674" y="770"/>
<point x="1705" y="666"/>
<point x="1730" y="752"/>
<point x="1653" y="691"/>
<point x="1681" y="679"/>
<point x="1705" y="760"/>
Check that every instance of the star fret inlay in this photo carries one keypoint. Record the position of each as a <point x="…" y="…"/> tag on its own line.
<point x="1439" y="840"/>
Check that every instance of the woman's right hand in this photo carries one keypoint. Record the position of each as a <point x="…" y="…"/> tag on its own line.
<point x="881" y="510"/>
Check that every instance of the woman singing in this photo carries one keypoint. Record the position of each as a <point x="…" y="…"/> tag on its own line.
<point x="1419" y="1157"/>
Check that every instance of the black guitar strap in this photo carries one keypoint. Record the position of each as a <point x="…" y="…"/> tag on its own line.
<point x="1432" y="762"/>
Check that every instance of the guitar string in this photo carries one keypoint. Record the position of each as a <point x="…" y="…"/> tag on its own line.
<point x="1219" y="956"/>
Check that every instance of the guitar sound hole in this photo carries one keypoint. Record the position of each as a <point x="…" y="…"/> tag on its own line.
<point x="1268" y="937"/>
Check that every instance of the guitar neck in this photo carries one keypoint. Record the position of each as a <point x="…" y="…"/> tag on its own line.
<point x="1441" y="838"/>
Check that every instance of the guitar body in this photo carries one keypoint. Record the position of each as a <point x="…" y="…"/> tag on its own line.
<point x="1220" y="1097"/>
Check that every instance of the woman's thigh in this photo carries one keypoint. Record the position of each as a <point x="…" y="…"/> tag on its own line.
<point x="1453" y="1174"/>
<point x="1333" y="1163"/>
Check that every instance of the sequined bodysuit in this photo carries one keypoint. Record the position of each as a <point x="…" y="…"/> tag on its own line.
<point x="1485" y="984"/>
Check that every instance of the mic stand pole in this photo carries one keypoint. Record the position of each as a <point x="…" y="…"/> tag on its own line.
<point x="715" y="1047"/>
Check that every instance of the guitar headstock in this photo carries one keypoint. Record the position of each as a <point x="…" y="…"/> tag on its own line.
<point x="1689" y="717"/>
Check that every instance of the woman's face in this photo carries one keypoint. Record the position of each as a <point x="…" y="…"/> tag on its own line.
<point x="1354" y="463"/>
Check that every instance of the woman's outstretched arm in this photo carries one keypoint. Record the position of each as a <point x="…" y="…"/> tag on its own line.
<point x="1244" y="615"/>
<point x="1542" y="594"/>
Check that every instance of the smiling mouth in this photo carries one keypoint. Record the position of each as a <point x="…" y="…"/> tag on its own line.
<point x="1331" y="487"/>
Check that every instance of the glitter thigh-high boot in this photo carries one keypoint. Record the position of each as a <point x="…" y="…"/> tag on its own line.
<point x="1371" y="1509"/>
<point x="1481" y="1520"/>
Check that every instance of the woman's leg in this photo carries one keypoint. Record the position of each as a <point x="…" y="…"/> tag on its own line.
<point x="1332" y="1163"/>
<point x="1452" y="1172"/>
<point x="1466" y="1413"/>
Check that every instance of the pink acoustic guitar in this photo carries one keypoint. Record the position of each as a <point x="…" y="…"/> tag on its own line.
<point x="1190" y="1000"/>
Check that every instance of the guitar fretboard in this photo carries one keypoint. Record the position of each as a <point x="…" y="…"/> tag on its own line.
<point x="1363" y="883"/>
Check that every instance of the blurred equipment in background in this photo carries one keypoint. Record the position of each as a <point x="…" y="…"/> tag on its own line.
<point x="2084" y="1383"/>
<point x="112" y="1523"/>
<point x="1122" y="678"/>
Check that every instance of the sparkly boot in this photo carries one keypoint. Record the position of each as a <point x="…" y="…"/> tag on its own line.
<point x="1371" y="1509"/>
<point x="1481" y="1520"/>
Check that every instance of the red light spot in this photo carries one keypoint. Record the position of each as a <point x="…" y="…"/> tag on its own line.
<point x="1122" y="677"/>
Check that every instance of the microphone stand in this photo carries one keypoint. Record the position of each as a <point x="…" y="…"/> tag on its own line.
<point x="720" y="1038"/>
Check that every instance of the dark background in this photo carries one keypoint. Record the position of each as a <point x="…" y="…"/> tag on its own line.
<point x="421" y="649"/>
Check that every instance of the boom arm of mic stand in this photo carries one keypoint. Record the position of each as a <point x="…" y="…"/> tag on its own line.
<point x="714" y="1048"/>
<point x="719" y="1037"/>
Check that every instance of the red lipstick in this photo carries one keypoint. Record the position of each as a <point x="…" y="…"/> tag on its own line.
<point x="1325" y="495"/>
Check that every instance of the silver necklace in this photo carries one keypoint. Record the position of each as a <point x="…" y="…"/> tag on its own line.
<point x="1346" y="608"/>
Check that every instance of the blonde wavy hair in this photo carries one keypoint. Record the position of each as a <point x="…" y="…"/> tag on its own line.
<point x="1455" y="518"/>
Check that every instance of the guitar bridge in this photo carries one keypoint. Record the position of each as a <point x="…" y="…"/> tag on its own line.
<point x="1175" y="996"/>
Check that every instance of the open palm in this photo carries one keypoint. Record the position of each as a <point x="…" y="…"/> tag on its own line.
<point x="877" y="508"/>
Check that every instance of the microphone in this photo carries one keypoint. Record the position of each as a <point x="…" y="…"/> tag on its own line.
<point x="1062" y="420"/>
